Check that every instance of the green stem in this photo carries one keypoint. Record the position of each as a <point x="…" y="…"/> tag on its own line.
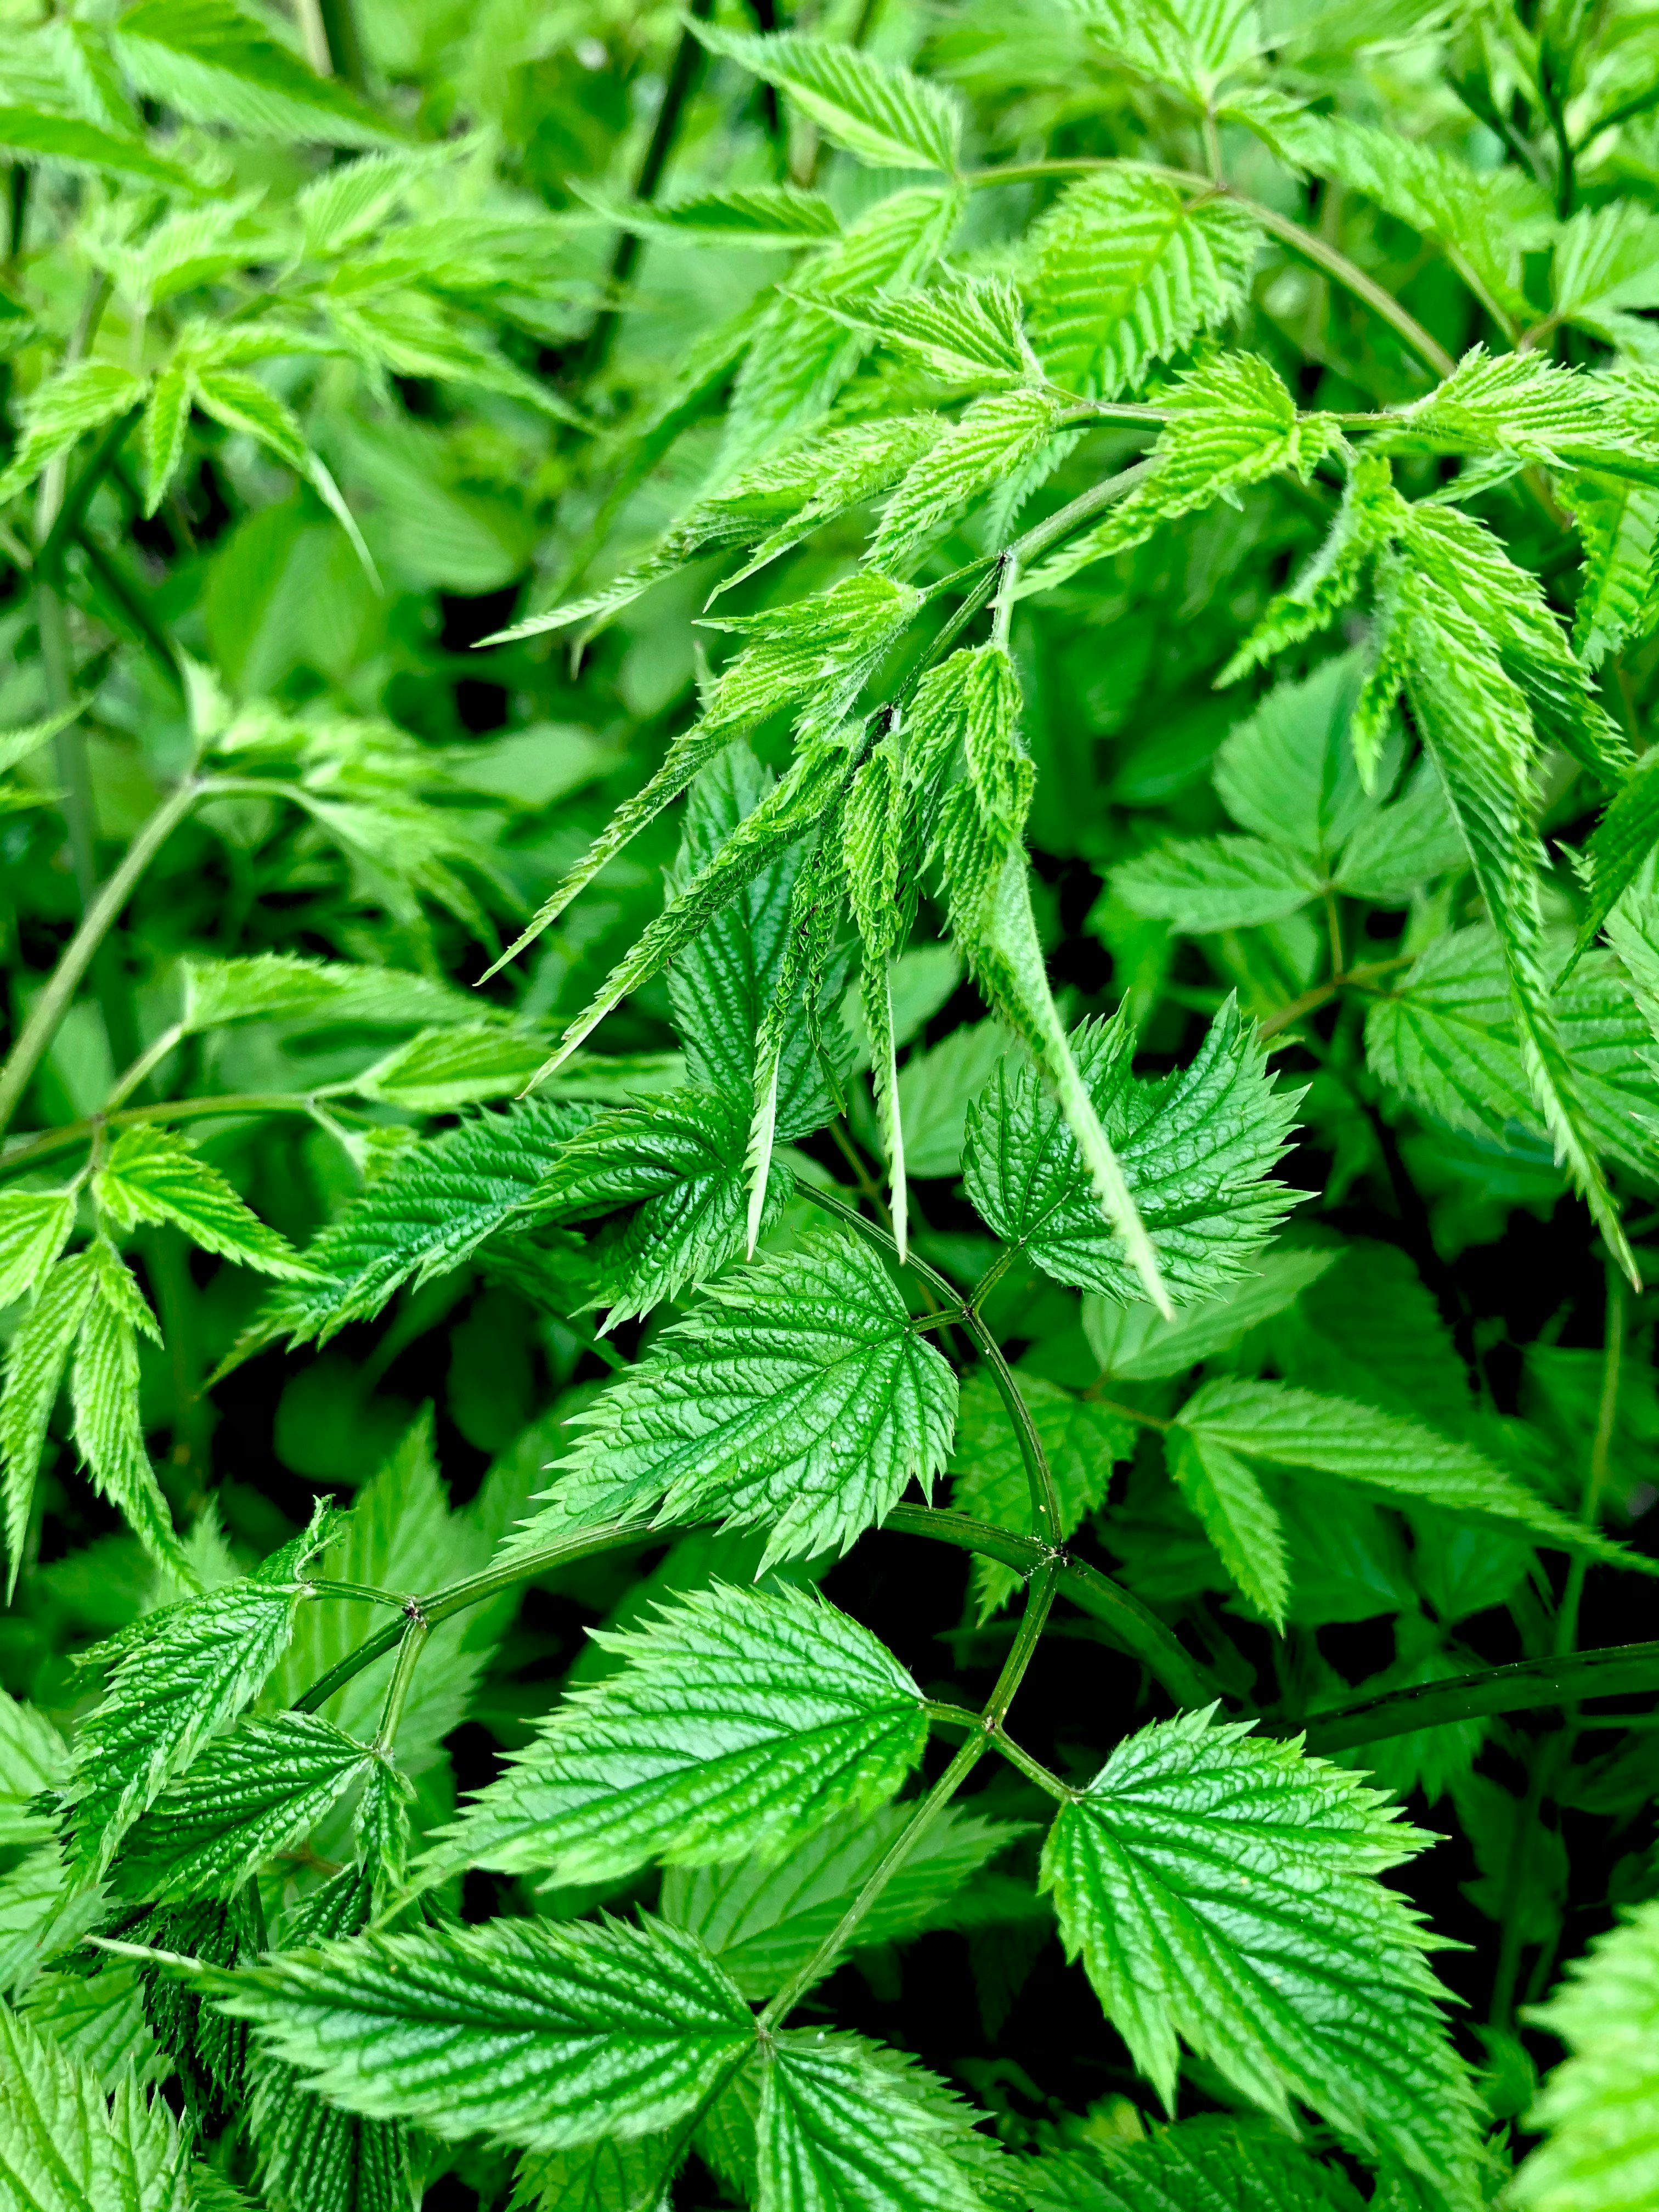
<point x="345" y="45"/>
<point x="50" y="1142"/>
<point x="54" y="1001"/>
<point x="320" y="1586"/>
<point x="1041" y="535"/>
<point x="1621" y="1671"/>
<point x="417" y="1629"/>
<point x="519" y="1567"/>
<point x="1323" y="256"/>
<point x="1032" y="1769"/>
<point x="1595" y="1479"/>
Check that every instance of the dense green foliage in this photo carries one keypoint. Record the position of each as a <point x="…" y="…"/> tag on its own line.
<point x="832" y="1107"/>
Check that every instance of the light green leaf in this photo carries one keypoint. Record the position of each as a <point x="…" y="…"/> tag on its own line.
<point x="64" y="2148"/>
<point x="883" y="114"/>
<point x="1197" y="1150"/>
<point x="151" y="1174"/>
<point x="161" y="434"/>
<point x="1222" y="1890"/>
<point x="218" y="65"/>
<point x="109" y="1428"/>
<point x="1606" y="271"/>
<point x="682" y="1157"/>
<point x="760" y="216"/>
<point x="1191" y="45"/>
<point x="1217" y="883"/>
<point x="1237" y="1516"/>
<point x="188" y="1675"/>
<point x="247" y="1796"/>
<point x="521" y="2032"/>
<point x="34" y="1372"/>
<point x="1370" y="519"/>
<point x="443" y="1069"/>
<point x="764" y="1917"/>
<point x="797" y="1397"/>
<point x="73" y="142"/>
<point x="936" y="1087"/>
<point x="1082" y="1442"/>
<point x="1398" y="847"/>
<point x="61" y="409"/>
<point x="1288" y="774"/>
<point x="744" y="1721"/>
<point x="1446" y="1036"/>
<point x="98" y="2021"/>
<point x="1526" y="404"/>
<point x="280" y="987"/>
<point x="844" y="2124"/>
<point x="1133" y="1345"/>
<point x="34" y="1758"/>
<point x="241" y="403"/>
<point x="996" y="437"/>
<point x="964" y="330"/>
<point x="1126" y="274"/>
<point x="1618" y="605"/>
<point x="1300" y="1430"/>
<point x="630" y="2175"/>
<point x="34" y="1227"/>
<point x="1598" y="2107"/>
<point x="1212" y="2160"/>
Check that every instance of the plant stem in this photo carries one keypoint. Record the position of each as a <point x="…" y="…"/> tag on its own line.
<point x="1595" y="1479"/>
<point x="1041" y="535"/>
<point x="521" y="1567"/>
<point x="51" y="1141"/>
<point x="54" y="1001"/>
<point x="338" y="21"/>
<point x="1621" y="1671"/>
<point x="416" y="1630"/>
<point x="320" y="1586"/>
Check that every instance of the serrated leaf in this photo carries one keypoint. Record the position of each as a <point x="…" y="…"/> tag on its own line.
<point x="34" y="1227"/>
<point x="1299" y="1429"/>
<point x="743" y="1720"/>
<point x="161" y="434"/>
<point x="241" y="403"/>
<point x="218" y="65"/>
<point x="965" y="329"/>
<point x="721" y="985"/>
<point x="1596" y="2107"/>
<point x="1202" y="883"/>
<point x="1237" y="1515"/>
<point x="109" y="1430"/>
<point x="443" y="1069"/>
<point x="1082" y="1442"/>
<point x="801" y="354"/>
<point x="761" y="216"/>
<point x="1135" y="1345"/>
<point x="1523" y="404"/>
<point x="34" y="1758"/>
<point x="617" y="2176"/>
<point x="282" y="987"/>
<point x="844" y="2123"/>
<point x="883" y="114"/>
<point x="1212" y="2163"/>
<point x="151" y="1174"/>
<point x="1287" y="772"/>
<point x="682" y="1158"/>
<point x="98" y="2021"/>
<point x="1191" y="45"/>
<point x="1127" y="273"/>
<point x="1369" y="519"/>
<point x="1197" y="1151"/>
<point x="35" y="1361"/>
<point x="1605" y="272"/>
<point x="1222" y="1891"/>
<point x="64" y="2148"/>
<point x="763" y="1917"/>
<point x="429" y="1212"/>
<point x="187" y="1677"/>
<point x="77" y="144"/>
<point x="521" y="2032"/>
<point x="247" y="1796"/>
<point x="59" y="411"/>
<point x="1619" y="523"/>
<point x="797" y="1397"/>
<point x="1403" y="845"/>
<point x="1230" y="423"/>
<point x="995" y="438"/>
<point x="1446" y="1036"/>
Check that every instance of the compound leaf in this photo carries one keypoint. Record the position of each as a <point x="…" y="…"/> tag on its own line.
<point x="152" y="1175"/>
<point x="743" y="1719"/>
<point x="883" y="114"/>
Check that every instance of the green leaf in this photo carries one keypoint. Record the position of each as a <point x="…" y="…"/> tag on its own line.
<point x="1523" y="404"/>
<point x="426" y="1214"/>
<point x="190" y="1675"/>
<point x="682" y="1156"/>
<point x="161" y="434"/>
<point x="521" y="2032"/>
<point x="280" y="987"/>
<point x="615" y="2176"/>
<point x="760" y="216"/>
<point x="443" y="1069"/>
<point x="1230" y="423"/>
<point x="1401" y="845"/>
<point x="1191" y="45"/>
<point x="1133" y="1345"/>
<point x="64" y="2148"/>
<point x="1237" y="1516"/>
<point x="34" y="1227"/>
<point x="964" y="329"/>
<point x="73" y="142"/>
<point x="1446" y="1036"/>
<point x="247" y="1796"/>
<point x="216" y="64"/>
<point x="1082" y="1441"/>
<point x="801" y="354"/>
<point x="936" y="1088"/>
<point x="1370" y="517"/>
<point x="797" y="1397"/>
<point x="241" y="403"/>
<point x="1217" y="883"/>
<point x="1127" y="273"/>
<point x="1619" y="522"/>
<point x="995" y="439"/>
<point x="743" y="1720"/>
<point x="883" y="114"/>
<point x="844" y="2124"/>
<point x="1301" y="1978"/>
<point x="98" y="2021"/>
<point x="109" y="1428"/>
<point x="151" y="1174"/>
<point x="721" y="985"/>
<point x="1288" y="774"/>
<point x="33" y="1759"/>
<point x="1212" y="2160"/>
<point x="35" y="1361"/>
<point x="61" y="409"/>
<point x="1197" y="1149"/>
<point x="1597" y="2106"/>
<point x="1605" y="272"/>
<point x="763" y="1917"/>
<point x="1299" y="1429"/>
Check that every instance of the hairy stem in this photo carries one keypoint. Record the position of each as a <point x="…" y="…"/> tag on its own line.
<point x="55" y="1000"/>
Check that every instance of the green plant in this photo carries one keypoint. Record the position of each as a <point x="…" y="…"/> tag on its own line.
<point x="1016" y="945"/>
